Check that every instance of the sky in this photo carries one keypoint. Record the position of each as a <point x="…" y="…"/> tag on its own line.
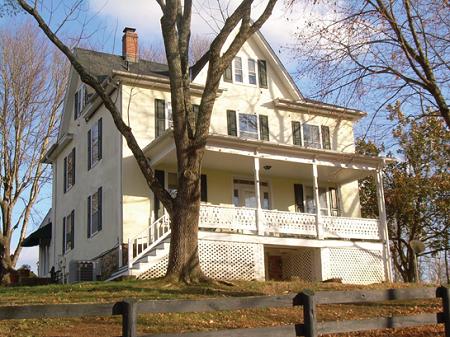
<point x="98" y="24"/>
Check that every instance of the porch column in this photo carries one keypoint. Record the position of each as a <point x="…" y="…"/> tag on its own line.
<point x="259" y="215"/>
<point x="319" y="227"/>
<point x="383" y="225"/>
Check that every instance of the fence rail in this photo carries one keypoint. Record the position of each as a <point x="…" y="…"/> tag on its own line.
<point x="129" y="309"/>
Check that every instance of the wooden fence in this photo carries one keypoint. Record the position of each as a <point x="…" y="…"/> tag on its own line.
<point x="129" y="310"/>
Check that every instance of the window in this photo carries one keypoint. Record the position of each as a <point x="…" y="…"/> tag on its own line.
<point x="228" y="74"/>
<point x="68" y="232"/>
<point x="311" y="136"/>
<point x="334" y="202"/>
<point x="238" y="69"/>
<point x="69" y="170"/>
<point x="251" y="71"/>
<point x="160" y="117"/>
<point x="196" y="111"/>
<point x="262" y="72"/>
<point x="81" y="99"/>
<point x="263" y="127"/>
<point x="169" y="123"/>
<point x="296" y="133"/>
<point x="94" y="206"/>
<point x="310" y="202"/>
<point x="326" y="142"/>
<point x="95" y="144"/>
<point x="248" y="126"/>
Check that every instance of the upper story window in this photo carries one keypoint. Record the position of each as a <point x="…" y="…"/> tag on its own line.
<point x="247" y="125"/>
<point x="311" y="136"/>
<point x="95" y="144"/>
<point x="238" y="77"/>
<point x="94" y="206"/>
<point x="314" y="136"/>
<point x="256" y="72"/>
<point x="68" y="232"/>
<point x="163" y="116"/>
<point x="69" y="170"/>
<point x="251" y="71"/>
<point x="80" y="101"/>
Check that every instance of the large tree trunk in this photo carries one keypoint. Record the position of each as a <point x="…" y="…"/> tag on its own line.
<point x="6" y="266"/>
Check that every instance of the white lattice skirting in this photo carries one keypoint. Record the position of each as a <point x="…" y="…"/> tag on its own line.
<point x="353" y="265"/>
<point x="222" y="260"/>
<point x="300" y="265"/>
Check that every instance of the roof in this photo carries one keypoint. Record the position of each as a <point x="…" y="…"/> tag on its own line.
<point x="102" y="64"/>
<point x="44" y="232"/>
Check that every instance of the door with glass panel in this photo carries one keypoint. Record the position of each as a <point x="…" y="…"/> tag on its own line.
<point x="244" y="194"/>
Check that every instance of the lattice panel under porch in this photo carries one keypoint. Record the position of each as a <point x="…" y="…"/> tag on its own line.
<point x="221" y="260"/>
<point x="230" y="260"/>
<point x="357" y="266"/>
<point x="299" y="264"/>
<point x="157" y="270"/>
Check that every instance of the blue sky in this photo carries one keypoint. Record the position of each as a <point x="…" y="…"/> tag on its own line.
<point x="99" y="23"/>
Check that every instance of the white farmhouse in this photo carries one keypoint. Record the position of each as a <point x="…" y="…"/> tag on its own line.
<point x="279" y="184"/>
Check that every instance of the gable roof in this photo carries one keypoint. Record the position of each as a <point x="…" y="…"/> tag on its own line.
<point x="102" y="64"/>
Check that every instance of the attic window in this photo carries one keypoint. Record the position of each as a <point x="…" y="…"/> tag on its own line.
<point x="238" y="69"/>
<point x="251" y="71"/>
<point x="81" y="99"/>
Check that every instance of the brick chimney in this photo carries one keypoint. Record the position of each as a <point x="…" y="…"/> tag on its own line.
<point x="130" y="45"/>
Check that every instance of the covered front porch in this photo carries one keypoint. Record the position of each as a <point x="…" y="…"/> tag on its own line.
<point x="256" y="187"/>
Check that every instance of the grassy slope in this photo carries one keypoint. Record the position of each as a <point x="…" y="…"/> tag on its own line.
<point x="113" y="291"/>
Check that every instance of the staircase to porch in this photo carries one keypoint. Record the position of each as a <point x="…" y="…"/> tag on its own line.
<point x="148" y="250"/>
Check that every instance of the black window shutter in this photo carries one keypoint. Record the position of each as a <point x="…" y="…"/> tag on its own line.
<point x="65" y="174"/>
<point x="76" y="105"/>
<point x="231" y="123"/>
<point x="72" y="234"/>
<point x="89" y="149"/>
<point x="264" y="127"/>
<point x="296" y="133"/>
<point x="262" y="72"/>
<point x="100" y="138"/>
<point x="160" y="116"/>
<point x="228" y="74"/>
<point x="298" y="191"/>
<point x="73" y="166"/>
<point x="64" y="236"/>
<point x="203" y="188"/>
<point x="100" y="208"/>
<point x="89" y="217"/>
<point x="159" y="174"/>
<point x="326" y="142"/>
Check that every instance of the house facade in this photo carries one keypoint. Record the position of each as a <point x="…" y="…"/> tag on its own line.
<point x="279" y="185"/>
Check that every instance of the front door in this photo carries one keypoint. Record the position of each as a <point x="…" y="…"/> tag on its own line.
<point x="244" y="194"/>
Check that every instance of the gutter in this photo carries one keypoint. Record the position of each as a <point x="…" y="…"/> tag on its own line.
<point x="56" y="149"/>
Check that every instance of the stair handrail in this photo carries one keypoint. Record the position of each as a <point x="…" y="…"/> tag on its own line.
<point x="156" y="232"/>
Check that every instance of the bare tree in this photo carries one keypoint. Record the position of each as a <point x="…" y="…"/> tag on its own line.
<point x="397" y="50"/>
<point x="32" y="79"/>
<point x="190" y="130"/>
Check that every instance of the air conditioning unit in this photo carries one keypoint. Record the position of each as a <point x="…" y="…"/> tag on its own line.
<point x="86" y="271"/>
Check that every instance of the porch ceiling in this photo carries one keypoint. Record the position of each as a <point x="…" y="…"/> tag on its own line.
<point x="235" y="155"/>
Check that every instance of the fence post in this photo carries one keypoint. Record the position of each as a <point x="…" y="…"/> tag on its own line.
<point x="444" y="293"/>
<point x="129" y="318"/>
<point x="309" y="313"/>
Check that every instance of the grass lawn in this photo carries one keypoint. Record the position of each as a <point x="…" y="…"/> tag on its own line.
<point x="97" y="292"/>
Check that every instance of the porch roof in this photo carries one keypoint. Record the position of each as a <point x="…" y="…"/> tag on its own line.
<point x="232" y="153"/>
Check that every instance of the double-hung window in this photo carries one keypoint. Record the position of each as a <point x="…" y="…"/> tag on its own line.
<point x="163" y="116"/>
<point x="95" y="144"/>
<point x="69" y="170"/>
<point x="248" y="126"/>
<point x="68" y="232"/>
<point x="262" y="72"/>
<point x="251" y="71"/>
<point x="94" y="206"/>
<point x="238" y="76"/>
<point x="311" y="136"/>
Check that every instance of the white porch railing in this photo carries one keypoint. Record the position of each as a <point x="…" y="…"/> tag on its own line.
<point x="243" y="220"/>
<point x="143" y="242"/>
